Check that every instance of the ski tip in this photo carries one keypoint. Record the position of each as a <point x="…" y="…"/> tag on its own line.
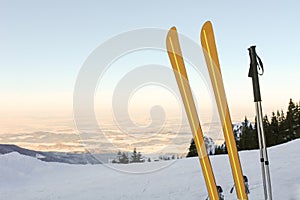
<point x="206" y="26"/>
<point x="171" y="34"/>
<point x="206" y="34"/>
<point x="173" y="28"/>
<point x="207" y="23"/>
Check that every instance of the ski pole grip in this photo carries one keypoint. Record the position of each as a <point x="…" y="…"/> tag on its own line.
<point x="253" y="73"/>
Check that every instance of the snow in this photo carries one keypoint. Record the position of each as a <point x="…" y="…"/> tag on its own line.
<point x="210" y="145"/>
<point x="23" y="177"/>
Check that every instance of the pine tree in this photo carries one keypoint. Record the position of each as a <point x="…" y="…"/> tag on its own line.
<point x="291" y="116"/>
<point x="297" y="120"/>
<point x="136" y="157"/>
<point x="220" y="150"/>
<point x="119" y="155"/>
<point x="274" y="129"/>
<point x="283" y="129"/>
<point x="208" y="142"/>
<point x="192" y="150"/>
<point x="124" y="158"/>
<point x="267" y="130"/>
<point x="248" y="138"/>
<point x="139" y="157"/>
<point x="117" y="159"/>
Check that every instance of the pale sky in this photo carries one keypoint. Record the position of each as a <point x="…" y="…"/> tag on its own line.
<point x="45" y="43"/>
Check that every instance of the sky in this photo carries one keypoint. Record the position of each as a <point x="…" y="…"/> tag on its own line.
<point x="44" y="45"/>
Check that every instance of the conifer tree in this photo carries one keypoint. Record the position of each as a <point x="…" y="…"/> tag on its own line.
<point x="136" y="156"/>
<point x="282" y="125"/>
<point x="297" y="120"/>
<point x="291" y="121"/>
<point x="267" y="131"/>
<point x="124" y="158"/>
<point x="192" y="149"/>
<point x="248" y="138"/>
<point x="274" y="129"/>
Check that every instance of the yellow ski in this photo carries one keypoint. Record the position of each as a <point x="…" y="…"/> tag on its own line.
<point x="177" y="62"/>
<point x="212" y="61"/>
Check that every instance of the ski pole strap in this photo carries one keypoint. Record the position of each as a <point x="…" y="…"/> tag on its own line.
<point x="260" y="65"/>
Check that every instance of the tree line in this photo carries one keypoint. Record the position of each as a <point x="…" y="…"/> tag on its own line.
<point x="137" y="157"/>
<point x="280" y="128"/>
<point x="124" y="158"/>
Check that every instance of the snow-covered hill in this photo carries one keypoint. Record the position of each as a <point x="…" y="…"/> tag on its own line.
<point x="61" y="157"/>
<point x="23" y="177"/>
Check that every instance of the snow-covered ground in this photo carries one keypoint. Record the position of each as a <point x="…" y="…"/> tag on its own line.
<point x="28" y="178"/>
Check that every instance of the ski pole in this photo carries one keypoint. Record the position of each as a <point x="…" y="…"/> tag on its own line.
<point x="253" y="73"/>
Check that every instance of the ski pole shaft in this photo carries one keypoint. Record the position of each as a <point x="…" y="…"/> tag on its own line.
<point x="265" y="153"/>
<point x="261" y="152"/>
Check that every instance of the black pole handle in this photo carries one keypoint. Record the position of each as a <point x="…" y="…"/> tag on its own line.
<point x="253" y="73"/>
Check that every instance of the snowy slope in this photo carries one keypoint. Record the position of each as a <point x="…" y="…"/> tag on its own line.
<point x="23" y="177"/>
<point x="62" y="157"/>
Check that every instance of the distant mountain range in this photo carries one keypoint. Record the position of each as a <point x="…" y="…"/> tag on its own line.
<point x="62" y="157"/>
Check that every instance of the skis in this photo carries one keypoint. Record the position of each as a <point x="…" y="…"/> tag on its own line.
<point x="177" y="62"/>
<point x="212" y="61"/>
